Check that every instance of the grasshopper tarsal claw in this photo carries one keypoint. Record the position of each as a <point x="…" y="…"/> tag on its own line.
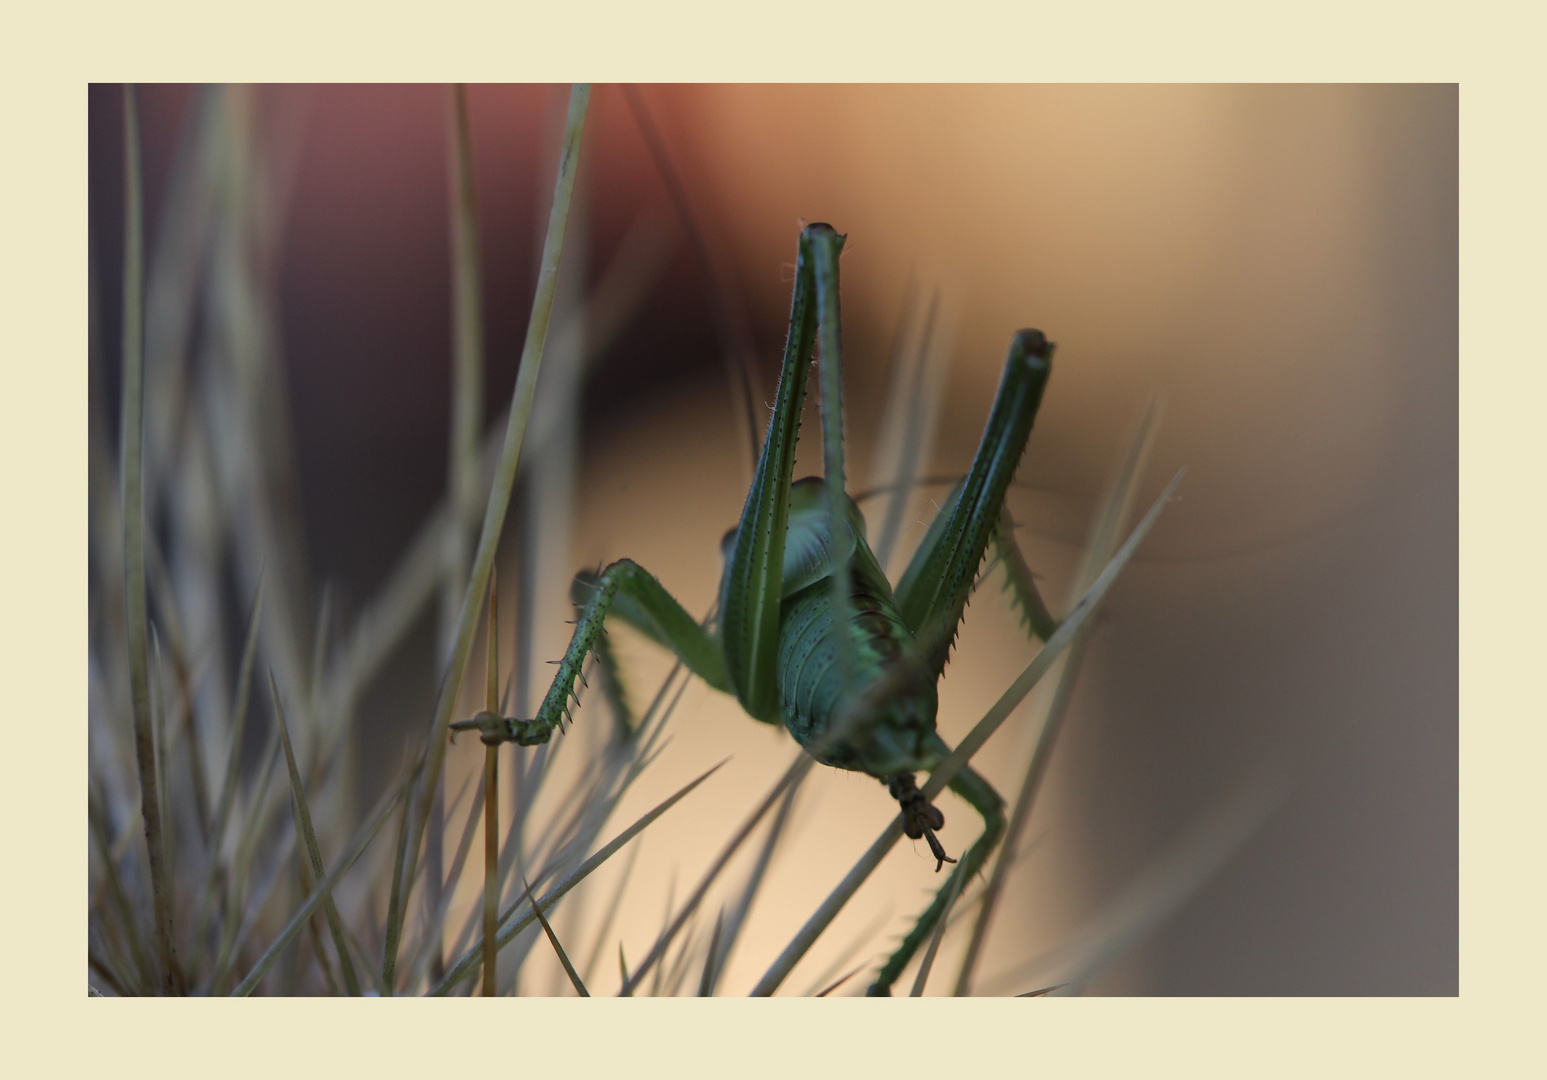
<point x="494" y="729"/>
<point x="920" y="817"/>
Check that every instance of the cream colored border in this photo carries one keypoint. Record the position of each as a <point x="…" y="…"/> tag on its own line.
<point x="51" y="52"/>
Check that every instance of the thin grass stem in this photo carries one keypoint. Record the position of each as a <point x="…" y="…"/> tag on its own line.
<point x="792" y="775"/>
<point x="922" y="979"/>
<point x="465" y="966"/>
<point x="569" y="969"/>
<point x="325" y="889"/>
<point x="491" y="802"/>
<point x="131" y="458"/>
<point x="499" y="496"/>
<point x="313" y="850"/>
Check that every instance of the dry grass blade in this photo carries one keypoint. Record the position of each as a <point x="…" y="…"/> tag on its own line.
<point x="437" y="915"/>
<point x="228" y="785"/>
<point x="387" y="619"/>
<point x="142" y="965"/>
<point x="794" y="774"/>
<point x="970" y="745"/>
<point x="605" y="928"/>
<point x="1104" y="535"/>
<point x="1154" y="894"/>
<point x="1024" y="801"/>
<point x="828" y="910"/>
<point x="313" y="851"/>
<point x="840" y="981"/>
<point x="922" y="979"/>
<point x="733" y="926"/>
<point x="491" y="798"/>
<point x="463" y="458"/>
<point x="1044" y="992"/>
<point x="132" y="499"/>
<point x="324" y="890"/>
<point x="946" y="771"/>
<point x="499" y="495"/>
<point x="241" y="867"/>
<point x="569" y="969"/>
<point x="467" y="349"/>
<point x="706" y="979"/>
<point x="465" y="965"/>
<point x="396" y="899"/>
<point x="849" y="951"/>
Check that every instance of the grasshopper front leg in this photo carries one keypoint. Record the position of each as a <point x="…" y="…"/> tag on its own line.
<point x="641" y="601"/>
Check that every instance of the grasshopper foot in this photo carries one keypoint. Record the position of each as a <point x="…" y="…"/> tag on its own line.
<point x="494" y="729"/>
<point x="920" y="818"/>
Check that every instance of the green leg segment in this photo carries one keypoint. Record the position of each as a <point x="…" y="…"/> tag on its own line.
<point x="753" y="583"/>
<point x="629" y="591"/>
<point x="933" y="590"/>
<point x="986" y="801"/>
<point x="1018" y="579"/>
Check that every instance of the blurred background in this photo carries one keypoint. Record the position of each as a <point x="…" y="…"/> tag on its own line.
<point x="1276" y="265"/>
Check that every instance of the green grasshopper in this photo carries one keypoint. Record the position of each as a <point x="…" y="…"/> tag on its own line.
<point x="810" y="632"/>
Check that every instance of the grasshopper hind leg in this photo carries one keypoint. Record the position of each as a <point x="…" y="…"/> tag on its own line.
<point x="986" y="801"/>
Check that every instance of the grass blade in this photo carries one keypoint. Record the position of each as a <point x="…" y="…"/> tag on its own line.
<point x="499" y="496"/>
<point x="228" y="785"/>
<point x="840" y="981"/>
<point x="793" y="775"/>
<point x="738" y="919"/>
<point x="1162" y="887"/>
<point x="313" y="851"/>
<point x="854" y="946"/>
<point x="131" y="458"/>
<point x="469" y="959"/>
<point x="1044" y="992"/>
<point x="1024" y="801"/>
<point x="569" y="969"/>
<point x="706" y="980"/>
<point x="612" y="913"/>
<point x="396" y="900"/>
<point x="241" y="868"/>
<point x="324" y="890"/>
<point x="946" y="771"/>
<point x="1104" y="535"/>
<point x="928" y="962"/>
<point x="491" y="801"/>
<point x="119" y="897"/>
